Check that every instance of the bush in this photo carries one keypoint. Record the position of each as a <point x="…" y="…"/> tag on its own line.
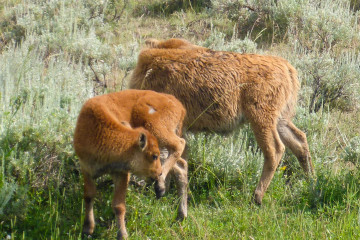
<point x="259" y="19"/>
<point x="330" y="81"/>
<point x="48" y="26"/>
<point x="13" y="200"/>
<point x="217" y="41"/>
<point x="352" y="151"/>
<point x="39" y="104"/>
<point x="316" y="25"/>
<point x="168" y="7"/>
<point x="217" y="161"/>
<point x="325" y="25"/>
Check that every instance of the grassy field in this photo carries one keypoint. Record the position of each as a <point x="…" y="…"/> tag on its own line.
<point x="56" y="54"/>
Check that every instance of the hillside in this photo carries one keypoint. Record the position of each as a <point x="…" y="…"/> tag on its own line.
<point x="55" y="54"/>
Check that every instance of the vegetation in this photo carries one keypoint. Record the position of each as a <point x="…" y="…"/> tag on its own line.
<point x="56" y="54"/>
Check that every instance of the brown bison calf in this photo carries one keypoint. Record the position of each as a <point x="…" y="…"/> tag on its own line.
<point x="110" y="137"/>
<point x="221" y="90"/>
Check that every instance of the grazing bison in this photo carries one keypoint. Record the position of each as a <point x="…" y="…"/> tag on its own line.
<point x="120" y="133"/>
<point x="221" y="90"/>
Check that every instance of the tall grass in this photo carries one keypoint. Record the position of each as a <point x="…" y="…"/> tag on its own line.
<point x="41" y="91"/>
<point x="56" y="54"/>
<point x="39" y="103"/>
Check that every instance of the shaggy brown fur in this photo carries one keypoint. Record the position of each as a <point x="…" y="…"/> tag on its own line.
<point x="171" y="43"/>
<point x="220" y="90"/>
<point x="165" y="122"/>
<point x="110" y="138"/>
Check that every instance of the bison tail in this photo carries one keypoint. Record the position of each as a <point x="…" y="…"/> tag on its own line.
<point x="152" y="43"/>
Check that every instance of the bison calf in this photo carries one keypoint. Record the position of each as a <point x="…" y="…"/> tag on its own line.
<point x="221" y="90"/>
<point x="110" y="138"/>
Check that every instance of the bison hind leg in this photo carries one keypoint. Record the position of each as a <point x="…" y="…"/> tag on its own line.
<point x="180" y="171"/>
<point x="273" y="149"/>
<point x="295" y="140"/>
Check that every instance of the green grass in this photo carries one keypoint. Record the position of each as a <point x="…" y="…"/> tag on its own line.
<point x="220" y="213"/>
<point x="56" y="54"/>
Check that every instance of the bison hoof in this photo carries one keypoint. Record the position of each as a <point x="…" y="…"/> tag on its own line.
<point x="257" y="199"/>
<point x="85" y="236"/>
<point x="88" y="230"/>
<point x="181" y="216"/>
<point x="121" y="235"/>
<point x="159" y="191"/>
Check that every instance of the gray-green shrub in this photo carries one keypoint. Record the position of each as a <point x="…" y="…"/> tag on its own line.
<point x="330" y="81"/>
<point x="217" y="41"/>
<point x="38" y="106"/>
<point x="316" y="25"/>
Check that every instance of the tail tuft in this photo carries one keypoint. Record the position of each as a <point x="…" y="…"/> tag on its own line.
<point x="152" y="43"/>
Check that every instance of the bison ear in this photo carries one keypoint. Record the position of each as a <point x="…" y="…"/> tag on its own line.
<point x="142" y="141"/>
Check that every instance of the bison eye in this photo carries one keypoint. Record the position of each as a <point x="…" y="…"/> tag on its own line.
<point x="155" y="157"/>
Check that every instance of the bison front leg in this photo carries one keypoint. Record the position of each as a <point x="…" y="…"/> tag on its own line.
<point x="180" y="171"/>
<point x="273" y="149"/>
<point x="89" y="195"/>
<point x="118" y="204"/>
<point x="176" y="148"/>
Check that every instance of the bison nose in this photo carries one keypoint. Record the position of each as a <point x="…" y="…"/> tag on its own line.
<point x="156" y="176"/>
